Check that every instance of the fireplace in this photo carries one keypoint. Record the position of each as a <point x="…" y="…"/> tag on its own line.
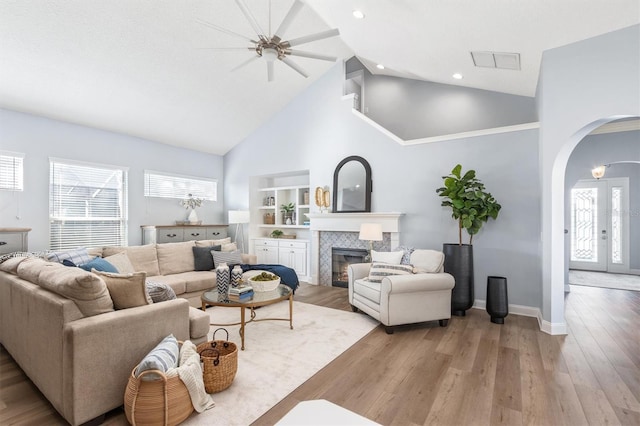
<point x="341" y="258"/>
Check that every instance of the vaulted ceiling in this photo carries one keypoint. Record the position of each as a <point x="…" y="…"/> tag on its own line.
<point x="145" y="67"/>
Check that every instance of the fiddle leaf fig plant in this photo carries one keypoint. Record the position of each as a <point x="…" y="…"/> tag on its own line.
<point x="471" y="205"/>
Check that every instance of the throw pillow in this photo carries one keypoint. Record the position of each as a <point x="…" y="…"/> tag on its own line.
<point x="202" y="259"/>
<point x="231" y="259"/>
<point x="393" y="257"/>
<point x="406" y="254"/>
<point x="126" y="290"/>
<point x="121" y="262"/>
<point x="163" y="357"/>
<point x="229" y="247"/>
<point x="160" y="292"/>
<point x="380" y="270"/>
<point x="78" y="256"/>
<point x="99" y="264"/>
<point x="427" y="261"/>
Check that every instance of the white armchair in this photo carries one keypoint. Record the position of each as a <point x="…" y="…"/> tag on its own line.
<point x="404" y="299"/>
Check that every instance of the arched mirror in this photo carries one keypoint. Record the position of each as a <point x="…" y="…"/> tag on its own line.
<point x="352" y="186"/>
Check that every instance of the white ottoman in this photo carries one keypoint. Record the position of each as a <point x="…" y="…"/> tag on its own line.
<point x="322" y="412"/>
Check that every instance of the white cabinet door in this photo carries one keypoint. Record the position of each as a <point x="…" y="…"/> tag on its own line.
<point x="295" y="258"/>
<point x="266" y="251"/>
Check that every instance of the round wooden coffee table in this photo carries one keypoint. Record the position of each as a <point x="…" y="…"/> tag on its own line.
<point x="262" y="298"/>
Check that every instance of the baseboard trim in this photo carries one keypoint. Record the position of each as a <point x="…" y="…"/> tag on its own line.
<point x="530" y="311"/>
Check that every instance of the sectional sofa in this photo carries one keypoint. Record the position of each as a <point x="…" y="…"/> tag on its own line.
<point x="60" y="325"/>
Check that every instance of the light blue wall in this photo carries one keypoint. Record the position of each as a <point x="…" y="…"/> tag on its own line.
<point x="583" y="85"/>
<point x="414" y="109"/>
<point x="40" y="138"/>
<point x="317" y="130"/>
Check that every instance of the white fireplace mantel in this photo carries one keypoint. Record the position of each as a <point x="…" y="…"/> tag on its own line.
<point x="348" y="222"/>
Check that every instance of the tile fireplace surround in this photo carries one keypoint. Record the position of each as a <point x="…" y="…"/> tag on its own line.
<point x="341" y="230"/>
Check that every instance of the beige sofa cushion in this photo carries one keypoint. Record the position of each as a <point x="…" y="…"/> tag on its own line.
<point x="175" y="281"/>
<point x="126" y="290"/>
<point x="11" y="265"/>
<point x="88" y="290"/>
<point x="30" y="268"/>
<point x="121" y="262"/>
<point x="174" y="258"/>
<point x="205" y="243"/>
<point x="198" y="280"/>
<point x="144" y="258"/>
<point x="427" y="261"/>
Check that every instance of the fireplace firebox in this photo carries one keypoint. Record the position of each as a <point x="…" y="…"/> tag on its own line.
<point x="341" y="258"/>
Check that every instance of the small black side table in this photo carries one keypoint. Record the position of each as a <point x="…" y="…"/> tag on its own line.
<point x="497" y="300"/>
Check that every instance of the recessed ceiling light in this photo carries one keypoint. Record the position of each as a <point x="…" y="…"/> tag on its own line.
<point x="457" y="76"/>
<point x="358" y="14"/>
<point x="380" y="66"/>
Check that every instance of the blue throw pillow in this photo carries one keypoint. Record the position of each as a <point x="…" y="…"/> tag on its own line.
<point x="99" y="264"/>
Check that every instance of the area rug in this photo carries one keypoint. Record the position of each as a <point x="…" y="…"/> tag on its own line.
<point x="602" y="279"/>
<point x="276" y="359"/>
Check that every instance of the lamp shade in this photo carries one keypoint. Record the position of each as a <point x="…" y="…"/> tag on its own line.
<point x="238" y="216"/>
<point x="370" y="232"/>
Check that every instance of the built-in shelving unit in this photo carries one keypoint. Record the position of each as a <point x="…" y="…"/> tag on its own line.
<point x="267" y="195"/>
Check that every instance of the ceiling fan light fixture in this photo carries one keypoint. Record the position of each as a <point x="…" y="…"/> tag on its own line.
<point x="358" y="14"/>
<point x="269" y="54"/>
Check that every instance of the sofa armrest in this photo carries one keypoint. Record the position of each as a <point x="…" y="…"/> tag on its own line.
<point x="357" y="271"/>
<point x="250" y="259"/>
<point x="417" y="282"/>
<point x="99" y="353"/>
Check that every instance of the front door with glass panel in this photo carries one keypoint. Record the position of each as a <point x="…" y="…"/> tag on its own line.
<point x="599" y="225"/>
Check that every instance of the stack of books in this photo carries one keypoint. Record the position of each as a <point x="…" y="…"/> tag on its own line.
<point x="241" y="293"/>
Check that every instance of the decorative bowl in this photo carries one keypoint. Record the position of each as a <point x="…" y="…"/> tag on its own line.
<point x="264" y="285"/>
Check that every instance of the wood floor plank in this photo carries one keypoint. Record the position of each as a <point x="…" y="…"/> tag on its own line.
<point x="511" y="374"/>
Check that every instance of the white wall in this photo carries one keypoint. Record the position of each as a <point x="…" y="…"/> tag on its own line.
<point x="40" y="138"/>
<point x="317" y="130"/>
<point x="582" y="86"/>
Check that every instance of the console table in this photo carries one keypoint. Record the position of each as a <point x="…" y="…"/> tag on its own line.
<point x="14" y="239"/>
<point x="158" y="234"/>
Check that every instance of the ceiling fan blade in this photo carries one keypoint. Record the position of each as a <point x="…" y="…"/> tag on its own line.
<point x="311" y="37"/>
<point x="224" y="30"/>
<point x="248" y="61"/>
<point x="286" y="22"/>
<point x="252" y="20"/>
<point x="311" y="55"/>
<point x="295" y="66"/>
<point x="270" y="71"/>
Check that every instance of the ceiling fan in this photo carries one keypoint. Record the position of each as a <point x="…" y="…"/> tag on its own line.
<point x="272" y="47"/>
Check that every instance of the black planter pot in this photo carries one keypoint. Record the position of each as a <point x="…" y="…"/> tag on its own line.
<point x="497" y="299"/>
<point x="458" y="261"/>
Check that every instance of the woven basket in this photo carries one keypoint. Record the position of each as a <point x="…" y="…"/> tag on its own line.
<point x="219" y="360"/>
<point x="164" y="401"/>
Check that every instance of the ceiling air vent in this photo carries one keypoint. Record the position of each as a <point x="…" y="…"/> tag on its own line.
<point x="501" y="60"/>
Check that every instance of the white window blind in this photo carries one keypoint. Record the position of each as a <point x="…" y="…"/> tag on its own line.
<point x="87" y="205"/>
<point x="166" y="185"/>
<point x="11" y="171"/>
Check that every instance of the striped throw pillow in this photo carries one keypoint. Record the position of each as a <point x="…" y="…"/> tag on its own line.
<point x="78" y="256"/>
<point x="231" y="259"/>
<point x="380" y="270"/>
<point x="163" y="357"/>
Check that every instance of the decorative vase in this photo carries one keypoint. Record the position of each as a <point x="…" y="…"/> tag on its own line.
<point x="193" y="217"/>
<point x="497" y="299"/>
<point x="236" y="276"/>
<point x="458" y="261"/>
<point x="222" y="280"/>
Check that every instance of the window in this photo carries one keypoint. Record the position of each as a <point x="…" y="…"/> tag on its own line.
<point x="165" y="185"/>
<point x="11" y="171"/>
<point x="87" y="204"/>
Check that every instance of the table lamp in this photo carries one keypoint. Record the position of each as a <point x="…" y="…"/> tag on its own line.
<point x="370" y="232"/>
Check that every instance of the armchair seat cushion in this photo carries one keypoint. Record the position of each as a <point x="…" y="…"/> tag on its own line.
<point x="368" y="289"/>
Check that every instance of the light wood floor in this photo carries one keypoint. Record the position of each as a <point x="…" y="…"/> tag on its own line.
<point x="471" y="372"/>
